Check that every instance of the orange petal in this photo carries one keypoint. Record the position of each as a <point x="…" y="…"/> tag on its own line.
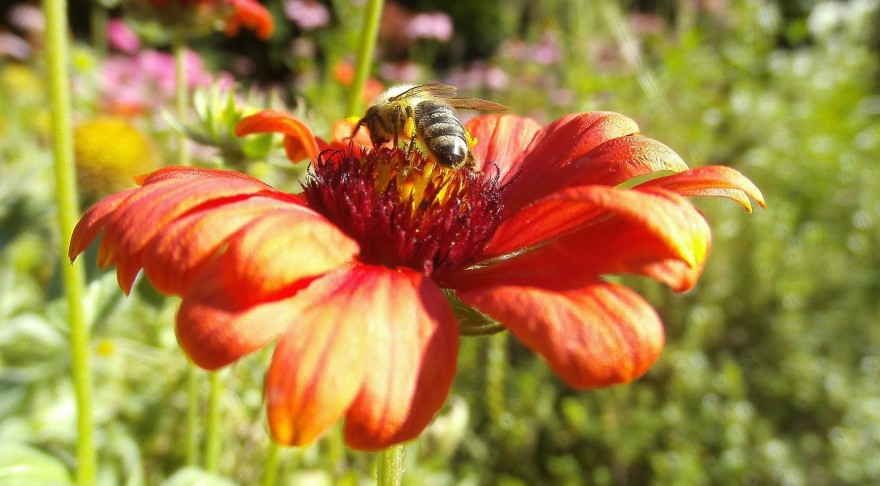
<point x="131" y="222"/>
<point x="275" y="254"/>
<point x="596" y="230"/>
<point x="368" y="341"/>
<point x="558" y="145"/>
<point x="412" y="353"/>
<point x="342" y="130"/>
<point x="595" y="336"/>
<point x="273" y="257"/>
<point x="252" y="15"/>
<point x="501" y="140"/>
<point x="299" y="141"/>
<point x="93" y="222"/>
<point x="215" y="330"/>
<point x="613" y="162"/>
<point x="173" y="257"/>
<point x="714" y="180"/>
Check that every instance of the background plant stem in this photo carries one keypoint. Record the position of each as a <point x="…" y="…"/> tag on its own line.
<point x="192" y="414"/>
<point x="212" y="428"/>
<point x="68" y="206"/>
<point x="180" y="94"/>
<point x="99" y="19"/>
<point x="372" y="17"/>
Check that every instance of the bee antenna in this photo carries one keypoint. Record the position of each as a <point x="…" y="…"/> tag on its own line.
<point x="513" y="178"/>
<point x="357" y="127"/>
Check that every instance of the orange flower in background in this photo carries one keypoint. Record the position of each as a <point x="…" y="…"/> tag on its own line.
<point x="235" y="14"/>
<point x="343" y="73"/>
<point x="349" y="276"/>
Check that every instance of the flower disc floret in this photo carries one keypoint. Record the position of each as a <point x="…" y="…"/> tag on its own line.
<point x="405" y="210"/>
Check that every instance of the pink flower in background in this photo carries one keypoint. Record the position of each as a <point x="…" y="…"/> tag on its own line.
<point x="478" y="75"/>
<point x="496" y="78"/>
<point x="133" y="84"/>
<point x="14" y="47"/>
<point x="121" y="37"/>
<point x="546" y="51"/>
<point x="307" y="14"/>
<point x="646" y="24"/>
<point x="404" y="72"/>
<point x="27" y="18"/>
<point x="434" y="25"/>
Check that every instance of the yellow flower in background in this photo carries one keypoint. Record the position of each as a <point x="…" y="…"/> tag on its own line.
<point x="23" y="81"/>
<point x="110" y="152"/>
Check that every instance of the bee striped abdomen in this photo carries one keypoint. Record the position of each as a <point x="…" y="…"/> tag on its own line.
<point x="442" y="132"/>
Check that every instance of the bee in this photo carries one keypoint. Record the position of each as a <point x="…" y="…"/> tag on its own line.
<point x="424" y="113"/>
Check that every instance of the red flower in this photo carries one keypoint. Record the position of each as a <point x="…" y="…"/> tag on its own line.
<point x="234" y="13"/>
<point x="348" y="275"/>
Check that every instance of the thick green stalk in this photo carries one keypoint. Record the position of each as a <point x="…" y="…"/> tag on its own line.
<point x="389" y="471"/>
<point x="180" y="95"/>
<point x="270" y="470"/>
<point x="66" y="198"/>
<point x="372" y="16"/>
<point x="212" y="428"/>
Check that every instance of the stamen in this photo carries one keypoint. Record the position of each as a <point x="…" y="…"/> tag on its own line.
<point x="404" y="209"/>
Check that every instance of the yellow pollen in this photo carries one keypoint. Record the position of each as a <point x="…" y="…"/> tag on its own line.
<point x="409" y="127"/>
<point x="471" y="140"/>
<point x="412" y="181"/>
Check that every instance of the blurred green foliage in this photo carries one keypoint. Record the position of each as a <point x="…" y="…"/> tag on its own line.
<point x="771" y="373"/>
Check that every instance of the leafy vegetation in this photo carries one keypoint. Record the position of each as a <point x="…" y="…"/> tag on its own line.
<point x="771" y="374"/>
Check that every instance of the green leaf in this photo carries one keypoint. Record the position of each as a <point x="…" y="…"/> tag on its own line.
<point x="21" y="464"/>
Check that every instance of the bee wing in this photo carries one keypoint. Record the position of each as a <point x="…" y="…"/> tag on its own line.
<point x="438" y="90"/>
<point x="476" y="104"/>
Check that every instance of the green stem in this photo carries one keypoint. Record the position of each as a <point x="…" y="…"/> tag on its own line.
<point x="270" y="471"/>
<point x="98" y="17"/>
<point x="335" y="452"/>
<point x="496" y="367"/>
<point x="192" y="415"/>
<point x="73" y="275"/>
<point x="180" y="95"/>
<point x="372" y="16"/>
<point x="212" y="428"/>
<point x="389" y="471"/>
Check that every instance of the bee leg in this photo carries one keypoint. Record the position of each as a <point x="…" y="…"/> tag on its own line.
<point x="395" y="124"/>
<point x="410" y="116"/>
<point x="412" y="145"/>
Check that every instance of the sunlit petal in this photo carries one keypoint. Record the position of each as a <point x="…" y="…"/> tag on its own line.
<point x="299" y="141"/>
<point x="215" y="330"/>
<point x="259" y="265"/>
<point x="598" y="335"/>
<point x="558" y="145"/>
<point x="93" y="221"/>
<point x="144" y="212"/>
<point x="410" y="362"/>
<point x="501" y="142"/>
<point x="276" y="253"/>
<point x="614" y="162"/>
<point x="181" y="248"/>
<point x="596" y="230"/>
<point x="715" y="180"/>
<point x="369" y="342"/>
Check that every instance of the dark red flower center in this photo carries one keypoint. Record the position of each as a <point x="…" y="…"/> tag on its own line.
<point x="405" y="210"/>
